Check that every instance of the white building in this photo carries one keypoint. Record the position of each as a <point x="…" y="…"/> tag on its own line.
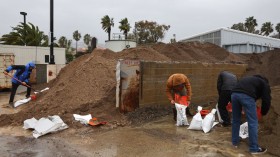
<point x="39" y="55"/>
<point x="119" y="43"/>
<point x="236" y="41"/>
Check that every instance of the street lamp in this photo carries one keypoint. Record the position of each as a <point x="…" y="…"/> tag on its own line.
<point x="24" y="21"/>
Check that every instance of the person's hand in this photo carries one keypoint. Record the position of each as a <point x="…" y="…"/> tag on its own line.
<point x="172" y="102"/>
<point x="23" y="83"/>
<point x="5" y="72"/>
<point x="189" y="102"/>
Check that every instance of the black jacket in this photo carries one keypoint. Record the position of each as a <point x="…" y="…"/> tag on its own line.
<point x="226" y="81"/>
<point x="256" y="87"/>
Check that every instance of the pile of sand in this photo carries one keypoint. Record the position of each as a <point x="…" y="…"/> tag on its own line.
<point x="266" y="63"/>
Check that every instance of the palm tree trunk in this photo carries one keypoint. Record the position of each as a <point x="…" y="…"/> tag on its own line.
<point x="76" y="46"/>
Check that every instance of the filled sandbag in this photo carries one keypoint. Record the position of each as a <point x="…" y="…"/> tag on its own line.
<point x="181" y="115"/>
<point x="208" y="121"/>
<point x="196" y="123"/>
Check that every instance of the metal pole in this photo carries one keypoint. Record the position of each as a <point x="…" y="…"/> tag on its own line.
<point x="51" y="31"/>
<point x="24" y="21"/>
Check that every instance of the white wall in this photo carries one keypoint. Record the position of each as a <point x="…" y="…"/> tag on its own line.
<point x="119" y="45"/>
<point x="25" y="54"/>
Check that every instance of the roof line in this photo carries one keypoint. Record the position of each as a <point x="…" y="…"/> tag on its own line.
<point x="231" y="30"/>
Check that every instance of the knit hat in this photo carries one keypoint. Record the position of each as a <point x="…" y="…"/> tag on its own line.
<point x="178" y="79"/>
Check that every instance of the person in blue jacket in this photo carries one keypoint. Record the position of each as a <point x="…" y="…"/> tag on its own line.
<point x="22" y="74"/>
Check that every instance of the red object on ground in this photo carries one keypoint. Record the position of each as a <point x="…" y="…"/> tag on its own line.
<point x="33" y="97"/>
<point x="259" y="114"/>
<point x="204" y="112"/>
<point x="95" y="122"/>
<point x="183" y="100"/>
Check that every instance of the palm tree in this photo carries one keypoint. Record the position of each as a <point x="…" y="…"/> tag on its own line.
<point x="29" y="35"/>
<point x="125" y="27"/>
<point x="87" y="39"/>
<point x="267" y="28"/>
<point x="77" y="37"/>
<point x="240" y="26"/>
<point x="62" y="42"/>
<point x="107" y="23"/>
<point x="250" y="24"/>
<point x="277" y="28"/>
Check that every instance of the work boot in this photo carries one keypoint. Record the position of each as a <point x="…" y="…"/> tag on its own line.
<point x="174" y="114"/>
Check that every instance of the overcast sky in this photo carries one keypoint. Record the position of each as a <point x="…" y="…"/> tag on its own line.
<point x="186" y="17"/>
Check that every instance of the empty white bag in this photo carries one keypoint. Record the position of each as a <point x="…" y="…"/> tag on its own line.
<point x="243" y="132"/>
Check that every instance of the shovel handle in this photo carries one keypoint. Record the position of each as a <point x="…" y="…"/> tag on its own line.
<point x="17" y="79"/>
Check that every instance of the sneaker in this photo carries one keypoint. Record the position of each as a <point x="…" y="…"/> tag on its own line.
<point x="260" y="151"/>
<point x="235" y="146"/>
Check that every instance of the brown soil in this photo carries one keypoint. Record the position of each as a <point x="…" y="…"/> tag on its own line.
<point x="266" y="63"/>
<point x="87" y="85"/>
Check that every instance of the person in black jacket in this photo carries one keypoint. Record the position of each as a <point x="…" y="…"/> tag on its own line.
<point x="245" y="94"/>
<point x="226" y="82"/>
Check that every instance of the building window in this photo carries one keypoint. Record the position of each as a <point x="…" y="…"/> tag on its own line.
<point x="47" y="58"/>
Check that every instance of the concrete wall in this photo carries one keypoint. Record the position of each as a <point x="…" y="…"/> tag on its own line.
<point x="44" y="73"/>
<point x="25" y="54"/>
<point x="119" y="45"/>
<point x="203" y="78"/>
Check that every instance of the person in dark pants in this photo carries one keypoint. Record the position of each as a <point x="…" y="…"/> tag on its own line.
<point x="225" y="83"/>
<point x="22" y="74"/>
<point x="178" y="90"/>
<point x="244" y="95"/>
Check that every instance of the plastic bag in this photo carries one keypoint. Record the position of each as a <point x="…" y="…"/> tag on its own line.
<point x="243" y="132"/>
<point x="196" y="123"/>
<point x="208" y="121"/>
<point x="181" y="115"/>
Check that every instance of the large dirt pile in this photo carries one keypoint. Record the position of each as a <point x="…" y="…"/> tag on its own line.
<point x="266" y="63"/>
<point x="196" y="51"/>
<point x="269" y="134"/>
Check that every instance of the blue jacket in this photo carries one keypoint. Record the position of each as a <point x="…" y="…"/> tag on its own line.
<point x="22" y="72"/>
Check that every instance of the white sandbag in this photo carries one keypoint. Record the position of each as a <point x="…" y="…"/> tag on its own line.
<point x="84" y="119"/>
<point x="219" y="115"/>
<point x="208" y="121"/>
<point x="42" y="90"/>
<point x="30" y="123"/>
<point x="181" y="115"/>
<point x="49" y="125"/>
<point x="196" y="123"/>
<point x="243" y="132"/>
<point x="20" y="102"/>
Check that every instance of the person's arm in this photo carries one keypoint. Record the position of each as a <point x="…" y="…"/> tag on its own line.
<point x="168" y="89"/>
<point x="15" y="67"/>
<point x="266" y="99"/>
<point x="188" y="87"/>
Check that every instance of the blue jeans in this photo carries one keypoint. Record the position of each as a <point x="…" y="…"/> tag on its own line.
<point x="248" y="103"/>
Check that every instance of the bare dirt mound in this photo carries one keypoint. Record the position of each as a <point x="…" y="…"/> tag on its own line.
<point x="196" y="51"/>
<point x="267" y="64"/>
<point x="269" y="132"/>
<point x="142" y="53"/>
